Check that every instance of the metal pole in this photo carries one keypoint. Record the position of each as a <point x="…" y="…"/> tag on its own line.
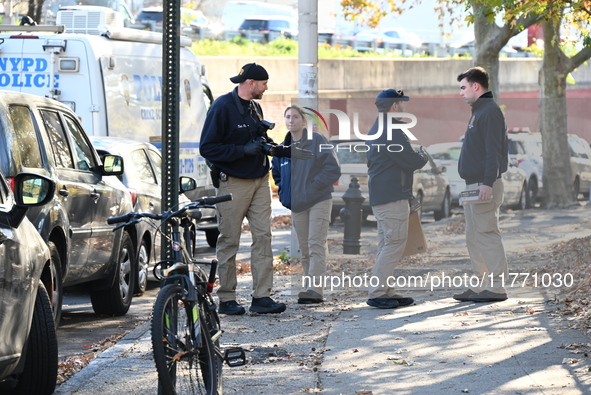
<point x="307" y="71"/>
<point x="170" y="110"/>
<point x="308" y="53"/>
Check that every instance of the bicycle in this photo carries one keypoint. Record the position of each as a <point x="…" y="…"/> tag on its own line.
<point x="185" y="325"/>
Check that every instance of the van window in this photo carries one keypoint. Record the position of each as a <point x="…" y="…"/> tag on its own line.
<point x="85" y="159"/>
<point x="26" y="140"/>
<point x="59" y="143"/>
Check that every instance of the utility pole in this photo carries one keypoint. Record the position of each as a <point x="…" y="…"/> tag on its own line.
<point x="307" y="71"/>
<point x="308" y="53"/>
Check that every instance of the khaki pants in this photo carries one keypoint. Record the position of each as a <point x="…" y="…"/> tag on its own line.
<point x="251" y="199"/>
<point x="312" y="229"/>
<point x="392" y="234"/>
<point x="484" y="242"/>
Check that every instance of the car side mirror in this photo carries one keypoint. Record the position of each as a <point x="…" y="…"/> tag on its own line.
<point x="187" y="184"/>
<point x="30" y="190"/>
<point x="112" y="165"/>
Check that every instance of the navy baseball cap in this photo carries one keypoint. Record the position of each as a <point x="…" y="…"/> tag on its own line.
<point x="388" y="97"/>
<point x="251" y="71"/>
<point x="393" y="94"/>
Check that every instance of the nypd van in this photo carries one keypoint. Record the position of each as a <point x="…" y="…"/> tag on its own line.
<point x="110" y="76"/>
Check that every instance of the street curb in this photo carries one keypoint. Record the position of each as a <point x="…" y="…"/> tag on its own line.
<point x="102" y="360"/>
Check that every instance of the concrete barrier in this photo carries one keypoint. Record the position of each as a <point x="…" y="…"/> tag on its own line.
<point x="365" y="77"/>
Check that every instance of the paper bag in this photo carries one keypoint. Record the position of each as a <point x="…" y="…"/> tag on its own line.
<point x="416" y="242"/>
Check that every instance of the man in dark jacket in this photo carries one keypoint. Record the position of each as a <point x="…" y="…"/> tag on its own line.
<point x="482" y="162"/>
<point x="391" y="164"/>
<point x="230" y="142"/>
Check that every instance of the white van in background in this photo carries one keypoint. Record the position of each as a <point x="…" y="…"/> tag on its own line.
<point x="236" y="11"/>
<point x="111" y="77"/>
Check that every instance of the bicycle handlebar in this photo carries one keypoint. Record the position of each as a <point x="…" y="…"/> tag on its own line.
<point x="199" y="203"/>
<point x="215" y="200"/>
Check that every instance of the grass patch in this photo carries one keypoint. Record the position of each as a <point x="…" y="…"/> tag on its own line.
<point x="281" y="47"/>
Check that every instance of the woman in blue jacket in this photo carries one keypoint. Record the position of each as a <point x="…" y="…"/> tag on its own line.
<point x="305" y="187"/>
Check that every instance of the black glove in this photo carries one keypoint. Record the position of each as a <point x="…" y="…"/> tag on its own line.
<point x="253" y="148"/>
<point x="300" y="153"/>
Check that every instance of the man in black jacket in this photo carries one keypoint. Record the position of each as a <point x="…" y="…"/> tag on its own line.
<point x="482" y="162"/>
<point x="230" y="142"/>
<point x="391" y="164"/>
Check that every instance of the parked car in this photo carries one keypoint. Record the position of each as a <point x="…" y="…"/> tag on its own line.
<point x="526" y="148"/>
<point x="514" y="179"/>
<point x="430" y="186"/>
<point x="45" y="137"/>
<point x="143" y="178"/>
<point x="580" y="160"/>
<point x="152" y="18"/>
<point x="28" y="351"/>
<point x="283" y="25"/>
<point x="396" y="38"/>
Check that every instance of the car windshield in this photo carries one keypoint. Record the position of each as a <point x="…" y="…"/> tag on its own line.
<point x="447" y="154"/>
<point x="254" y="24"/>
<point x="150" y="16"/>
<point x="347" y="155"/>
<point x="535" y="147"/>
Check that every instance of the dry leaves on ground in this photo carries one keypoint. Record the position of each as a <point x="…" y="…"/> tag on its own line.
<point x="569" y="271"/>
<point x="72" y="365"/>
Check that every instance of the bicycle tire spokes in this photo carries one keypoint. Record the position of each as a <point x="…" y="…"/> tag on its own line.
<point x="183" y="367"/>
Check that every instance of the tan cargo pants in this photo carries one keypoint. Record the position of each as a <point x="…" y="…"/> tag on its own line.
<point x="251" y="200"/>
<point x="484" y="241"/>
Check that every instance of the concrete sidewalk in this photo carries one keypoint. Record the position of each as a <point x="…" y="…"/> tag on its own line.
<point x="436" y="346"/>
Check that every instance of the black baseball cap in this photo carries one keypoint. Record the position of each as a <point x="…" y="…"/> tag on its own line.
<point x="251" y="71"/>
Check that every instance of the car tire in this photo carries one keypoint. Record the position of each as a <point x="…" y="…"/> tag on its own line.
<point x="39" y="374"/>
<point x="116" y="300"/>
<point x="522" y="203"/>
<point x="53" y="281"/>
<point x="576" y="188"/>
<point x="531" y="195"/>
<point x="143" y="262"/>
<point x="445" y="211"/>
<point x="211" y="235"/>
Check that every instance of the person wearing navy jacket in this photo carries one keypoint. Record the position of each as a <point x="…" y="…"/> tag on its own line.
<point x="230" y="142"/>
<point x="390" y="190"/>
<point x="305" y="187"/>
<point x="483" y="160"/>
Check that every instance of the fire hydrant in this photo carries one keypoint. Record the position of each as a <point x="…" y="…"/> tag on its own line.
<point x="352" y="215"/>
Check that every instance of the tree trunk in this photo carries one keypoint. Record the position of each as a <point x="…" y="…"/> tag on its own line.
<point x="558" y="179"/>
<point x="487" y="46"/>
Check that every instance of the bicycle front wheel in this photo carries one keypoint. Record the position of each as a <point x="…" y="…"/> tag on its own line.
<point x="183" y="366"/>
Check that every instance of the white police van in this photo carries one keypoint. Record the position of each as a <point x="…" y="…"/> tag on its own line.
<point x="110" y="76"/>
